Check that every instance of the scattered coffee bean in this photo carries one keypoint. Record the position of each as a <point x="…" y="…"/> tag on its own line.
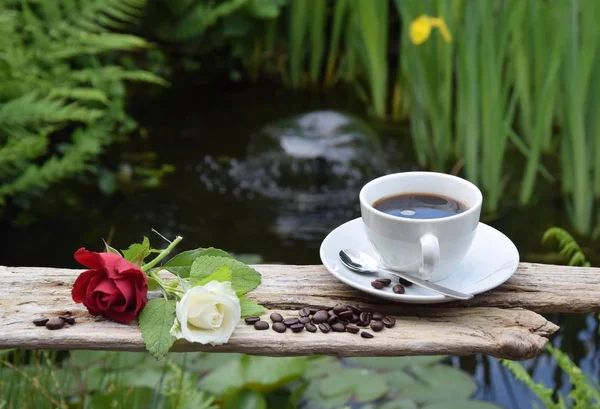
<point x="55" y="323"/>
<point x="340" y="308"/>
<point x="347" y="315"/>
<point x="405" y="283"/>
<point x="320" y="317"/>
<point x="68" y="319"/>
<point x="389" y="321"/>
<point x="304" y="312"/>
<point x="279" y="327"/>
<point x="313" y="311"/>
<point x="398" y="289"/>
<point x="384" y="281"/>
<point x="261" y="325"/>
<point x="276" y="317"/>
<point x="332" y="320"/>
<point x="40" y="322"/>
<point x="366" y="334"/>
<point x="325" y="328"/>
<point x="354" y="318"/>
<point x="297" y="327"/>
<point x="377" y="316"/>
<point x="352" y="328"/>
<point x="364" y="317"/>
<point x="355" y="309"/>
<point x="331" y="313"/>
<point x="305" y="320"/>
<point x="376" y="326"/>
<point x="251" y="320"/>
<point x="338" y="327"/>
<point x="291" y="321"/>
<point x="310" y="327"/>
<point x="377" y="284"/>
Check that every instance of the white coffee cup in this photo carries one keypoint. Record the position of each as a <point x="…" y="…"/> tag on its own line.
<point x="427" y="248"/>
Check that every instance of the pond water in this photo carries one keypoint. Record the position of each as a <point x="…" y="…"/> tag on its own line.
<point x="211" y="201"/>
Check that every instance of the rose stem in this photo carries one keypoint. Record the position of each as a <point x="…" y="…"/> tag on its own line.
<point x="162" y="254"/>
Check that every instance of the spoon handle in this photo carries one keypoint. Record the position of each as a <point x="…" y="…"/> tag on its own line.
<point x="426" y="284"/>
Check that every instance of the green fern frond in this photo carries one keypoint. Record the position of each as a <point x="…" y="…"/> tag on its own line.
<point x="541" y="391"/>
<point x="202" y="17"/>
<point x="30" y="109"/>
<point x="81" y="94"/>
<point x="113" y="72"/>
<point x="568" y="247"/>
<point x="16" y="154"/>
<point x="585" y="395"/>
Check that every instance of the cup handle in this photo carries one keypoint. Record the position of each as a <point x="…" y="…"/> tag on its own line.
<point x="430" y="250"/>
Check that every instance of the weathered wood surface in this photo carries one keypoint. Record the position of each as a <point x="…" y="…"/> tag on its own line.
<point x="496" y="323"/>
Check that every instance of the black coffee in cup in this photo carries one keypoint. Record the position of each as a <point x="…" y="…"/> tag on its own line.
<point x="420" y="206"/>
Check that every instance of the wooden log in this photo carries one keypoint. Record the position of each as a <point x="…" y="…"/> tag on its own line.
<point x="514" y="333"/>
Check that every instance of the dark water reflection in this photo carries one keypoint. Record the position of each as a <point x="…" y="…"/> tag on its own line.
<point x="199" y="130"/>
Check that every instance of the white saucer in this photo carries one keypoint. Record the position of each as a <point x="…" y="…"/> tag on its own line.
<point x="491" y="260"/>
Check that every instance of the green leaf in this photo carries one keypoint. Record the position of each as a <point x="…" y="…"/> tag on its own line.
<point x="155" y="321"/>
<point x="244" y="278"/>
<point x="110" y="249"/>
<point x="251" y="308"/>
<point x="153" y="284"/>
<point x="136" y="253"/>
<point x="181" y="264"/>
<point x="440" y="383"/>
<point x="221" y="274"/>
<point x="395" y="362"/>
<point x="246" y="400"/>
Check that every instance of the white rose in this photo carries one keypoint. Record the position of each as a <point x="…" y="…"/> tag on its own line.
<point x="207" y="314"/>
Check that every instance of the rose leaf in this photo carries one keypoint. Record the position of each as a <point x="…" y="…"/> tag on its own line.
<point x="221" y="274"/>
<point x="251" y="308"/>
<point x="181" y="264"/>
<point x="155" y="321"/>
<point x="136" y="253"/>
<point x="244" y="278"/>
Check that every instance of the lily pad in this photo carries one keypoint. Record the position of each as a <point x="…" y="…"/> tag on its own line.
<point x="440" y="384"/>
<point x="465" y="404"/>
<point x="399" y="404"/>
<point x="395" y="362"/>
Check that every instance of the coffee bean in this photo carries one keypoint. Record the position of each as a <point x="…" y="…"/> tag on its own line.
<point x="261" y="325"/>
<point x="366" y="334"/>
<point x="405" y="283"/>
<point x="305" y="320"/>
<point x="384" y="281"/>
<point x="389" y="321"/>
<point x="55" y="323"/>
<point x="276" y="317"/>
<point x="251" y="320"/>
<point x="310" y="327"/>
<point x="297" y="327"/>
<point x="347" y="315"/>
<point x="376" y="326"/>
<point x="304" y="312"/>
<point x="365" y="317"/>
<point x="325" y="328"/>
<point x="331" y="313"/>
<point x="398" y="289"/>
<point x="68" y="319"/>
<point x="279" y="327"/>
<point x="320" y="317"/>
<point x="291" y="321"/>
<point x="332" y="320"/>
<point x="338" y="327"/>
<point x="40" y="322"/>
<point x="377" y="284"/>
<point x="352" y="328"/>
<point x="354" y="318"/>
<point x="377" y="316"/>
<point x="355" y="309"/>
<point x="340" y="308"/>
<point x="313" y="311"/>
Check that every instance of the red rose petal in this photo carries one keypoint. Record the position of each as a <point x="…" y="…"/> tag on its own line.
<point x="79" y="291"/>
<point x="88" y="258"/>
<point x="124" y="317"/>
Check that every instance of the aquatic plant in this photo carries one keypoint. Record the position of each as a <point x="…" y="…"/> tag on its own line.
<point x="568" y="247"/>
<point x="54" y="81"/>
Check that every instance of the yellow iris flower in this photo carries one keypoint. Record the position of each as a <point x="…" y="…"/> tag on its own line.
<point x="421" y="27"/>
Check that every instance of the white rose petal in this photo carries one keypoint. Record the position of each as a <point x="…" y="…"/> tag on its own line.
<point x="207" y="314"/>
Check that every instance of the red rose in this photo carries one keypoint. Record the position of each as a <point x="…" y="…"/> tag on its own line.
<point x="113" y="288"/>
